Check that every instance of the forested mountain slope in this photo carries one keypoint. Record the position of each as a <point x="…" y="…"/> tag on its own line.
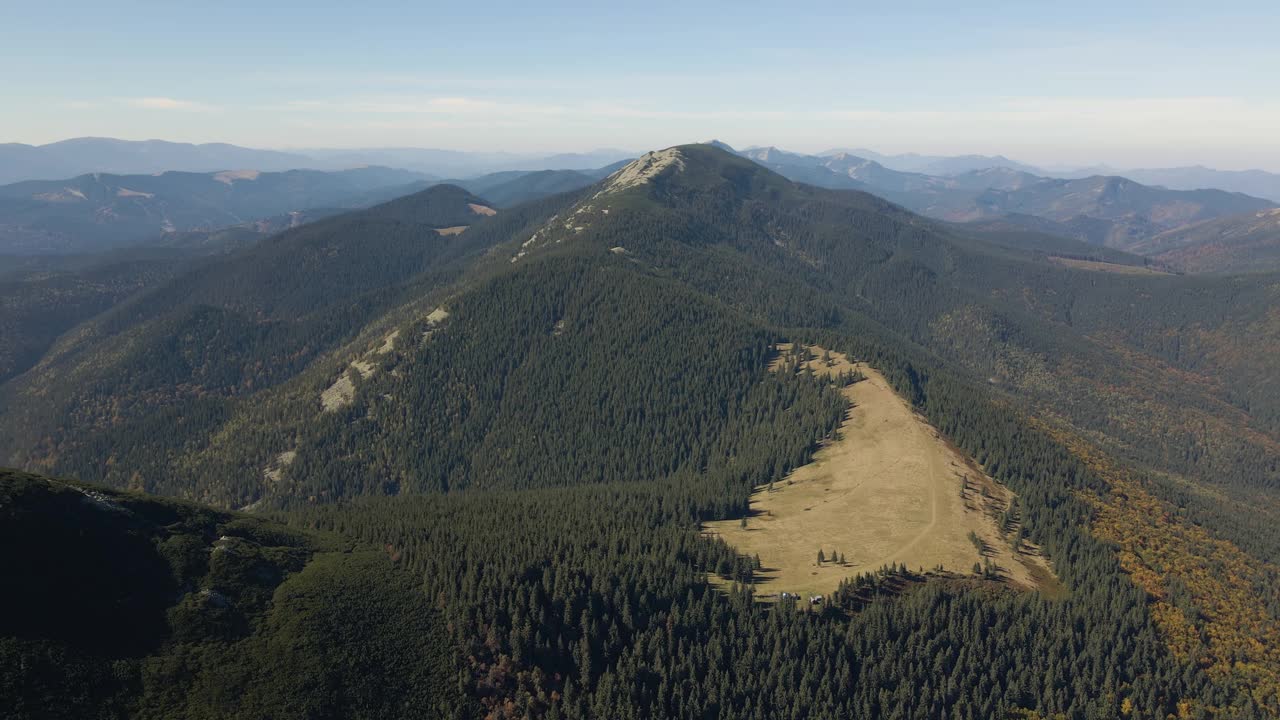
<point x="540" y="418"/>
<point x="241" y="322"/>
<point x="120" y="605"/>
<point x="503" y="189"/>
<point x="1235" y="244"/>
<point x="1104" y="351"/>
<point x="955" y="293"/>
<point x="43" y="296"/>
<point x="510" y="189"/>
<point x="37" y="306"/>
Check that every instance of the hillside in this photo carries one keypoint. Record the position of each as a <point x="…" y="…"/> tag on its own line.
<point x="242" y="321"/>
<point x="43" y="296"/>
<point x="503" y="189"/>
<point x="37" y="306"/>
<point x="1050" y="239"/>
<point x="541" y="413"/>
<point x="514" y="188"/>
<point x="95" y="212"/>
<point x="1238" y="243"/>
<point x="134" y="606"/>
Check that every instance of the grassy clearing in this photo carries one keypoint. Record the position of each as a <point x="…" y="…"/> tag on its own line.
<point x="888" y="490"/>
<point x="1107" y="267"/>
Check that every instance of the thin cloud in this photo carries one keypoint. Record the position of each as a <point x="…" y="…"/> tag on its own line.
<point x="393" y="105"/>
<point x="167" y="103"/>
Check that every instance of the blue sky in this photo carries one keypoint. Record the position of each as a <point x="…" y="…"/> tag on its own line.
<point x="1125" y="83"/>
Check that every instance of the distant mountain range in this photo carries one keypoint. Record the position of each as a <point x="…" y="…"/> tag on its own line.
<point x="97" y="211"/>
<point x="81" y="156"/>
<point x="1258" y="183"/>
<point x="935" y="164"/>
<point x="1108" y="210"/>
<point x="1113" y="211"/>
<point x="455" y="163"/>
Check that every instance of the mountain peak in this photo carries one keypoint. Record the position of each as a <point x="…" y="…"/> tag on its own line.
<point x="661" y="177"/>
<point x="763" y="154"/>
<point x="639" y="173"/>
<point x="643" y="170"/>
<point x="849" y="160"/>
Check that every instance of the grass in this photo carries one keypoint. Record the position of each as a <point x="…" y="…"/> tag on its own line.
<point x="1098" y="266"/>
<point x="887" y="490"/>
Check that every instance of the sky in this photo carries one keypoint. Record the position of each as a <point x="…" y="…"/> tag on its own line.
<point x="1122" y="83"/>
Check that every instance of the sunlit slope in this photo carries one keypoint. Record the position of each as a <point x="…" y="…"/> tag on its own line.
<point x="887" y="490"/>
